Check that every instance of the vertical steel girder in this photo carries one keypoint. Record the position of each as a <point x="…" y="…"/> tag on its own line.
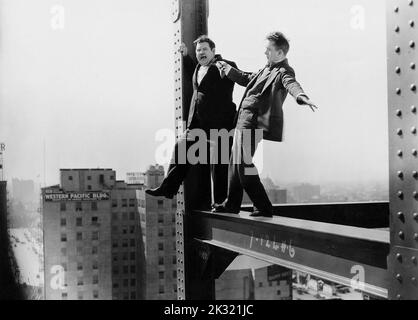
<point x="190" y="21"/>
<point x="402" y="37"/>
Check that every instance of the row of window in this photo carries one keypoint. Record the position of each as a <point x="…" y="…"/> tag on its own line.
<point x="125" y="243"/>
<point x="161" y="289"/>
<point x="124" y="203"/>
<point x="161" y="232"/>
<point x="80" y="251"/>
<point x="79" y="236"/>
<point x="79" y="221"/>
<point x="124" y="215"/>
<point x="126" y="283"/>
<point x="125" y="255"/>
<point x="80" y="295"/>
<point x="161" y="260"/>
<point x="78" y="206"/>
<point x="161" y="275"/>
<point x="125" y="269"/>
<point x="95" y="266"/>
<point x="260" y="284"/>
<point x="125" y="296"/>
<point x="89" y="178"/>
<point x="124" y="229"/>
<point x="160" y="204"/>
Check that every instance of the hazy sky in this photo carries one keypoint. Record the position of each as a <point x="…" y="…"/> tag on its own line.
<point x="98" y="89"/>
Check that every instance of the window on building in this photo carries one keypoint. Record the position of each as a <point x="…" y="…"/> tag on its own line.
<point x="101" y="179"/>
<point x="63" y="251"/>
<point x="133" y="269"/>
<point x="94" y="220"/>
<point x="112" y="177"/>
<point x="132" y="203"/>
<point x="270" y="283"/>
<point x="125" y="282"/>
<point x="78" y="206"/>
<point x="95" y="235"/>
<point x="124" y="216"/>
<point x="79" y="222"/>
<point x="115" y="257"/>
<point x="175" y="288"/>
<point x="124" y="203"/>
<point x="95" y="265"/>
<point x="174" y="246"/>
<point x="63" y="237"/>
<point x="114" y="203"/>
<point x="115" y="270"/>
<point x="89" y="187"/>
<point x="160" y="204"/>
<point x="95" y="294"/>
<point x="115" y="244"/>
<point x="279" y="292"/>
<point x="79" y="236"/>
<point x="174" y="274"/>
<point x="125" y="243"/>
<point x="89" y="178"/>
<point x="114" y="229"/>
<point x="125" y="230"/>
<point x="161" y="275"/>
<point x="160" y="246"/>
<point x="160" y="218"/>
<point x="161" y="290"/>
<point x="63" y="206"/>
<point x="131" y="216"/>
<point x="126" y="296"/>
<point x="174" y="204"/>
<point x="125" y="256"/>
<point x="161" y="261"/>
<point x="133" y="295"/>
<point x="133" y="282"/>
<point x="173" y="232"/>
<point x="70" y="178"/>
<point x="79" y="251"/>
<point x="174" y="259"/>
<point x="63" y="222"/>
<point x="80" y="281"/>
<point x="260" y="285"/>
<point x="160" y="232"/>
<point x="94" y="206"/>
<point x="173" y="218"/>
<point x="125" y="269"/>
<point x="64" y="296"/>
<point x="132" y="256"/>
<point x="80" y="296"/>
<point x="115" y="285"/>
<point x="64" y="266"/>
<point x="115" y="216"/>
<point x="94" y="250"/>
<point x="95" y="279"/>
<point x="79" y="266"/>
<point x="132" y="243"/>
<point x="132" y="229"/>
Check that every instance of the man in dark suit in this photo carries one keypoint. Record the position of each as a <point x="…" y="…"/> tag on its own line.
<point x="211" y="107"/>
<point x="260" y="116"/>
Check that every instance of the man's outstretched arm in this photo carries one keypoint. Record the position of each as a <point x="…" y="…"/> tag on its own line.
<point x="295" y="89"/>
<point x="238" y="76"/>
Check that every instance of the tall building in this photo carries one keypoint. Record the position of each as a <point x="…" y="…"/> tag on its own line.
<point x="235" y="285"/>
<point x="91" y="239"/>
<point x="158" y="217"/>
<point x="273" y="283"/>
<point x="306" y="193"/>
<point x="274" y="193"/>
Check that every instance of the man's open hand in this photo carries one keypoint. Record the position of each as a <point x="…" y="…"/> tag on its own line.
<point x="305" y="100"/>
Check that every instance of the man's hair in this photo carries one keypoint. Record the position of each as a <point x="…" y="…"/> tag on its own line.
<point x="279" y="40"/>
<point x="203" y="39"/>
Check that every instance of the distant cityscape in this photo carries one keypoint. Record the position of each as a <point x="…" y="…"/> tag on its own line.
<point x="96" y="237"/>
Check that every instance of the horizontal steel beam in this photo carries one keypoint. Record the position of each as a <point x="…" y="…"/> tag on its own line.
<point x="336" y="253"/>
<point x="356" y="214"/>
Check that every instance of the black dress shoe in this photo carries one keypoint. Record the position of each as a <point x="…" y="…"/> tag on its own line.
<point x="258" y="213"/>
<point x="159" y="192"/>
<point x="220" y="208"/>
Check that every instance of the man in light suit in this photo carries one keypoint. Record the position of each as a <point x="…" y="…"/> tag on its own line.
<point x="260" y="116"/>
<point x="211" y="107"/>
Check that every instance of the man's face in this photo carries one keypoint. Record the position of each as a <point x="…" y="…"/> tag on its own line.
<point x="272" y="53"/>
<point x="204" y="53"/>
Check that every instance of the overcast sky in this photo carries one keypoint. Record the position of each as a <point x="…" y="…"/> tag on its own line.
<point x="97" y="86"/>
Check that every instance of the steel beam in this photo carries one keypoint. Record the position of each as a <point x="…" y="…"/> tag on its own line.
<point x="402" y="42"/>
<point x="341" y="254"/>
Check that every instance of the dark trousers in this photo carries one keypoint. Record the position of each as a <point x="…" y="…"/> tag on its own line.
<point x="243" y="175"/>
<point x="180" y="165"/>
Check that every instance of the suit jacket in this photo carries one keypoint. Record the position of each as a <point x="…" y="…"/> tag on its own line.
<point x="280" y="82"/>
<point x="212" y="105"/>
